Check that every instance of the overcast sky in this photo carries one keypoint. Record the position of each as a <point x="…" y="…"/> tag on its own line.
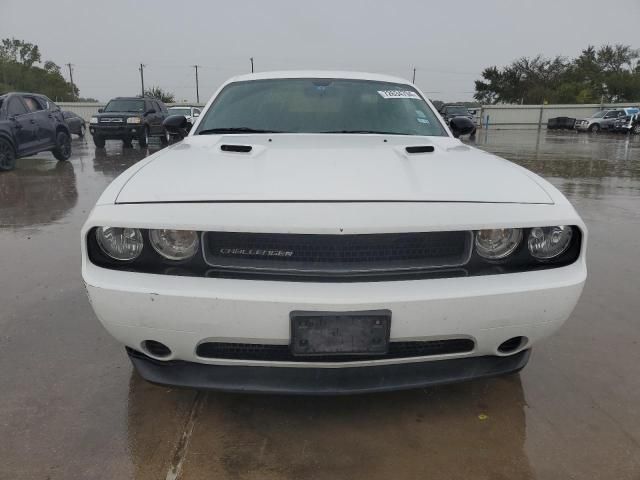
<point x="448" y="42"/>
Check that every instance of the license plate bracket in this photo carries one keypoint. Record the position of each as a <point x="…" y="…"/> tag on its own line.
<point x="340" y="333"/>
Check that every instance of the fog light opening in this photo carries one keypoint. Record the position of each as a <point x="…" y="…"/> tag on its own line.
<point x="156" y="349"/>
<point x="513" y="344"/>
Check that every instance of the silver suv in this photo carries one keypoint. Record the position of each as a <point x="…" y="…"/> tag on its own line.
<point x="602" y="120"/>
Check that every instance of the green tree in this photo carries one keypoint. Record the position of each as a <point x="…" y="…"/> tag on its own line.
<point x="610" y="73"/>
<point x="19" y="72"/>
<point x="160" y="94"/>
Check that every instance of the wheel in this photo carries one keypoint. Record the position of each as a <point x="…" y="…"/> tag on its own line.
<point x="63" y="146"/>
<point x="595" y="128"/>
<point x="636" y="129"/>
<point x="7" y="156"/>
<point x="144" y="138"/>
<point x="83" y="131"/>
<point x="126" y="143"/>
<point x="165" y="138"/>
<point x="98" y="141"/>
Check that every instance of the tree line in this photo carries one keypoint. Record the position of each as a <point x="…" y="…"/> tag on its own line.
<point x="22" y="70"/>
<point x="609" y="74"/>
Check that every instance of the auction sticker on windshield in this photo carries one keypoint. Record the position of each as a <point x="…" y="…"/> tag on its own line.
<point x="398" y="94"/>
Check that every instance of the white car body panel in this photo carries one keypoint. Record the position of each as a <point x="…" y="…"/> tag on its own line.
<point x="343" y="167"/>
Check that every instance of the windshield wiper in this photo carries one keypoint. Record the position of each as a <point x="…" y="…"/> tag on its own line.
<point x="213" y="131"/>
<point x="379" y="132"/>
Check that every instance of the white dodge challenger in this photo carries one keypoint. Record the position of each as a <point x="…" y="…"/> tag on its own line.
<point x="323" y="233"/>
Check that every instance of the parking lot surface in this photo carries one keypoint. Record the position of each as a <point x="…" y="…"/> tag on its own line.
<point x="71" y="406"/>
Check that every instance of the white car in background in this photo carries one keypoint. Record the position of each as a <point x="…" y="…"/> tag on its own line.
<point x="189" y="112"/>
<point x="322" y="233"/>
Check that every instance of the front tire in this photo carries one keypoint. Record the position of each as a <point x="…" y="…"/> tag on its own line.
<point x="144" y="138"/>
<point x="98" y="141"/>
<point x="63" y="146"/>
<point x="595" y="128"/>
<point x="636" y="129"/>
<point x="7" y="156"/>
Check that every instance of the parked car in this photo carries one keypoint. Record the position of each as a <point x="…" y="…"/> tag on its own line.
<point x="75" y="123"/>
<point x="449" y="112"/>
<point x="561" y="123"/>
<point x="189" y="112"/>
<point x="128" y="119"/>
<point x="348" y="245"/>
<point x="603" y="120"/>
<point x="31" y="123"/>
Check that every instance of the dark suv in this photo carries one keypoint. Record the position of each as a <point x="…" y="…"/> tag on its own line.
<point x="130" y="118"/>
<point x="31" y="123"/>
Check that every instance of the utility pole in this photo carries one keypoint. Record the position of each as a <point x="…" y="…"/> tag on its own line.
<point x="73" y="90"/>
<point x="251" y="64"/>
<point x="142" y="65"/>
<point x="197" y="86"/>
<point x="414" y="75"/>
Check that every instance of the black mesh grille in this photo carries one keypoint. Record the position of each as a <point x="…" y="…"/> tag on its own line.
<point x="336" y="254"/>
<point x="282" y="353"/>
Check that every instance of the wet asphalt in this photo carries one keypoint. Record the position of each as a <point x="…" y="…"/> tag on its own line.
<point x="72" y="407"/>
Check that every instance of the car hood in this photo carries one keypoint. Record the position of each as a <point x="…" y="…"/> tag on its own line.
<point x="326" y="167"/>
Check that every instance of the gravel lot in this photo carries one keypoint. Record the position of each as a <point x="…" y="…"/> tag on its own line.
<point x="71" y="406"/>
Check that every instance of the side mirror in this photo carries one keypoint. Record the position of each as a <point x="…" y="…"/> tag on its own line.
<point x="461" y="126"/>
<point x="196" y="114"/>
<point x="177" y="125"/>
<point x="100" y="110"/>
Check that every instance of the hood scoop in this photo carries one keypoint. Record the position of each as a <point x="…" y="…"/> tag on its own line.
<point x="236" y="148"/>
<point x="420" y="149"/>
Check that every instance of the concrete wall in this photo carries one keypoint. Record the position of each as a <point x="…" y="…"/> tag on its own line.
<point x="86" y="110"/>
<point x="532" y="116"/>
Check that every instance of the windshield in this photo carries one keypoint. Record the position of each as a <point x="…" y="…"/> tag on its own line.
<point x="125" y="106"/>
<point x="320" y="106"/>
<point x="457" y="111"/>
<point x="598" y="114"/>
<point x="180" y="111"/>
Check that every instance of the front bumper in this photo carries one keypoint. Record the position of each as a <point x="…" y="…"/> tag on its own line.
<point x="583" y="127"/>
<point x="324" y="381"/>
<point x="115" y="132"/>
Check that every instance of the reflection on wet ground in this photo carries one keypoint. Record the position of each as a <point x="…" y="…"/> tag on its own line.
<point x="71" y="407"/>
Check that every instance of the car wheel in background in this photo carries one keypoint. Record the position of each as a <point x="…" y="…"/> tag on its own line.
<point x="7" y="156"/>
<point x="98" y="141"/>
<point x="83" y="131"/>
<point x="144" y="138"/>
<point x="636" y="129"/>
<point x="63" y="146"/>
<point x="595" y="128"/>
<point x="165" y="138"/>
<point x="126" y="143"/>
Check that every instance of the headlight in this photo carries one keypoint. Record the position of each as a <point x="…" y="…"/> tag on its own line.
<point x="133" y="120"/>
<point x="549" y="242"/>
<point x="175" y="244"/>
<point x="93" y="120"/>
<point x="123" y="244"/>
<point x="499" y="243"/>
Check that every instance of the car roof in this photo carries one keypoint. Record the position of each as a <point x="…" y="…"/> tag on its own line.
<point x="319" y="74"/>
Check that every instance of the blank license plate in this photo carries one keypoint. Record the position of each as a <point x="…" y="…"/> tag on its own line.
<point x="344" y="333"/>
